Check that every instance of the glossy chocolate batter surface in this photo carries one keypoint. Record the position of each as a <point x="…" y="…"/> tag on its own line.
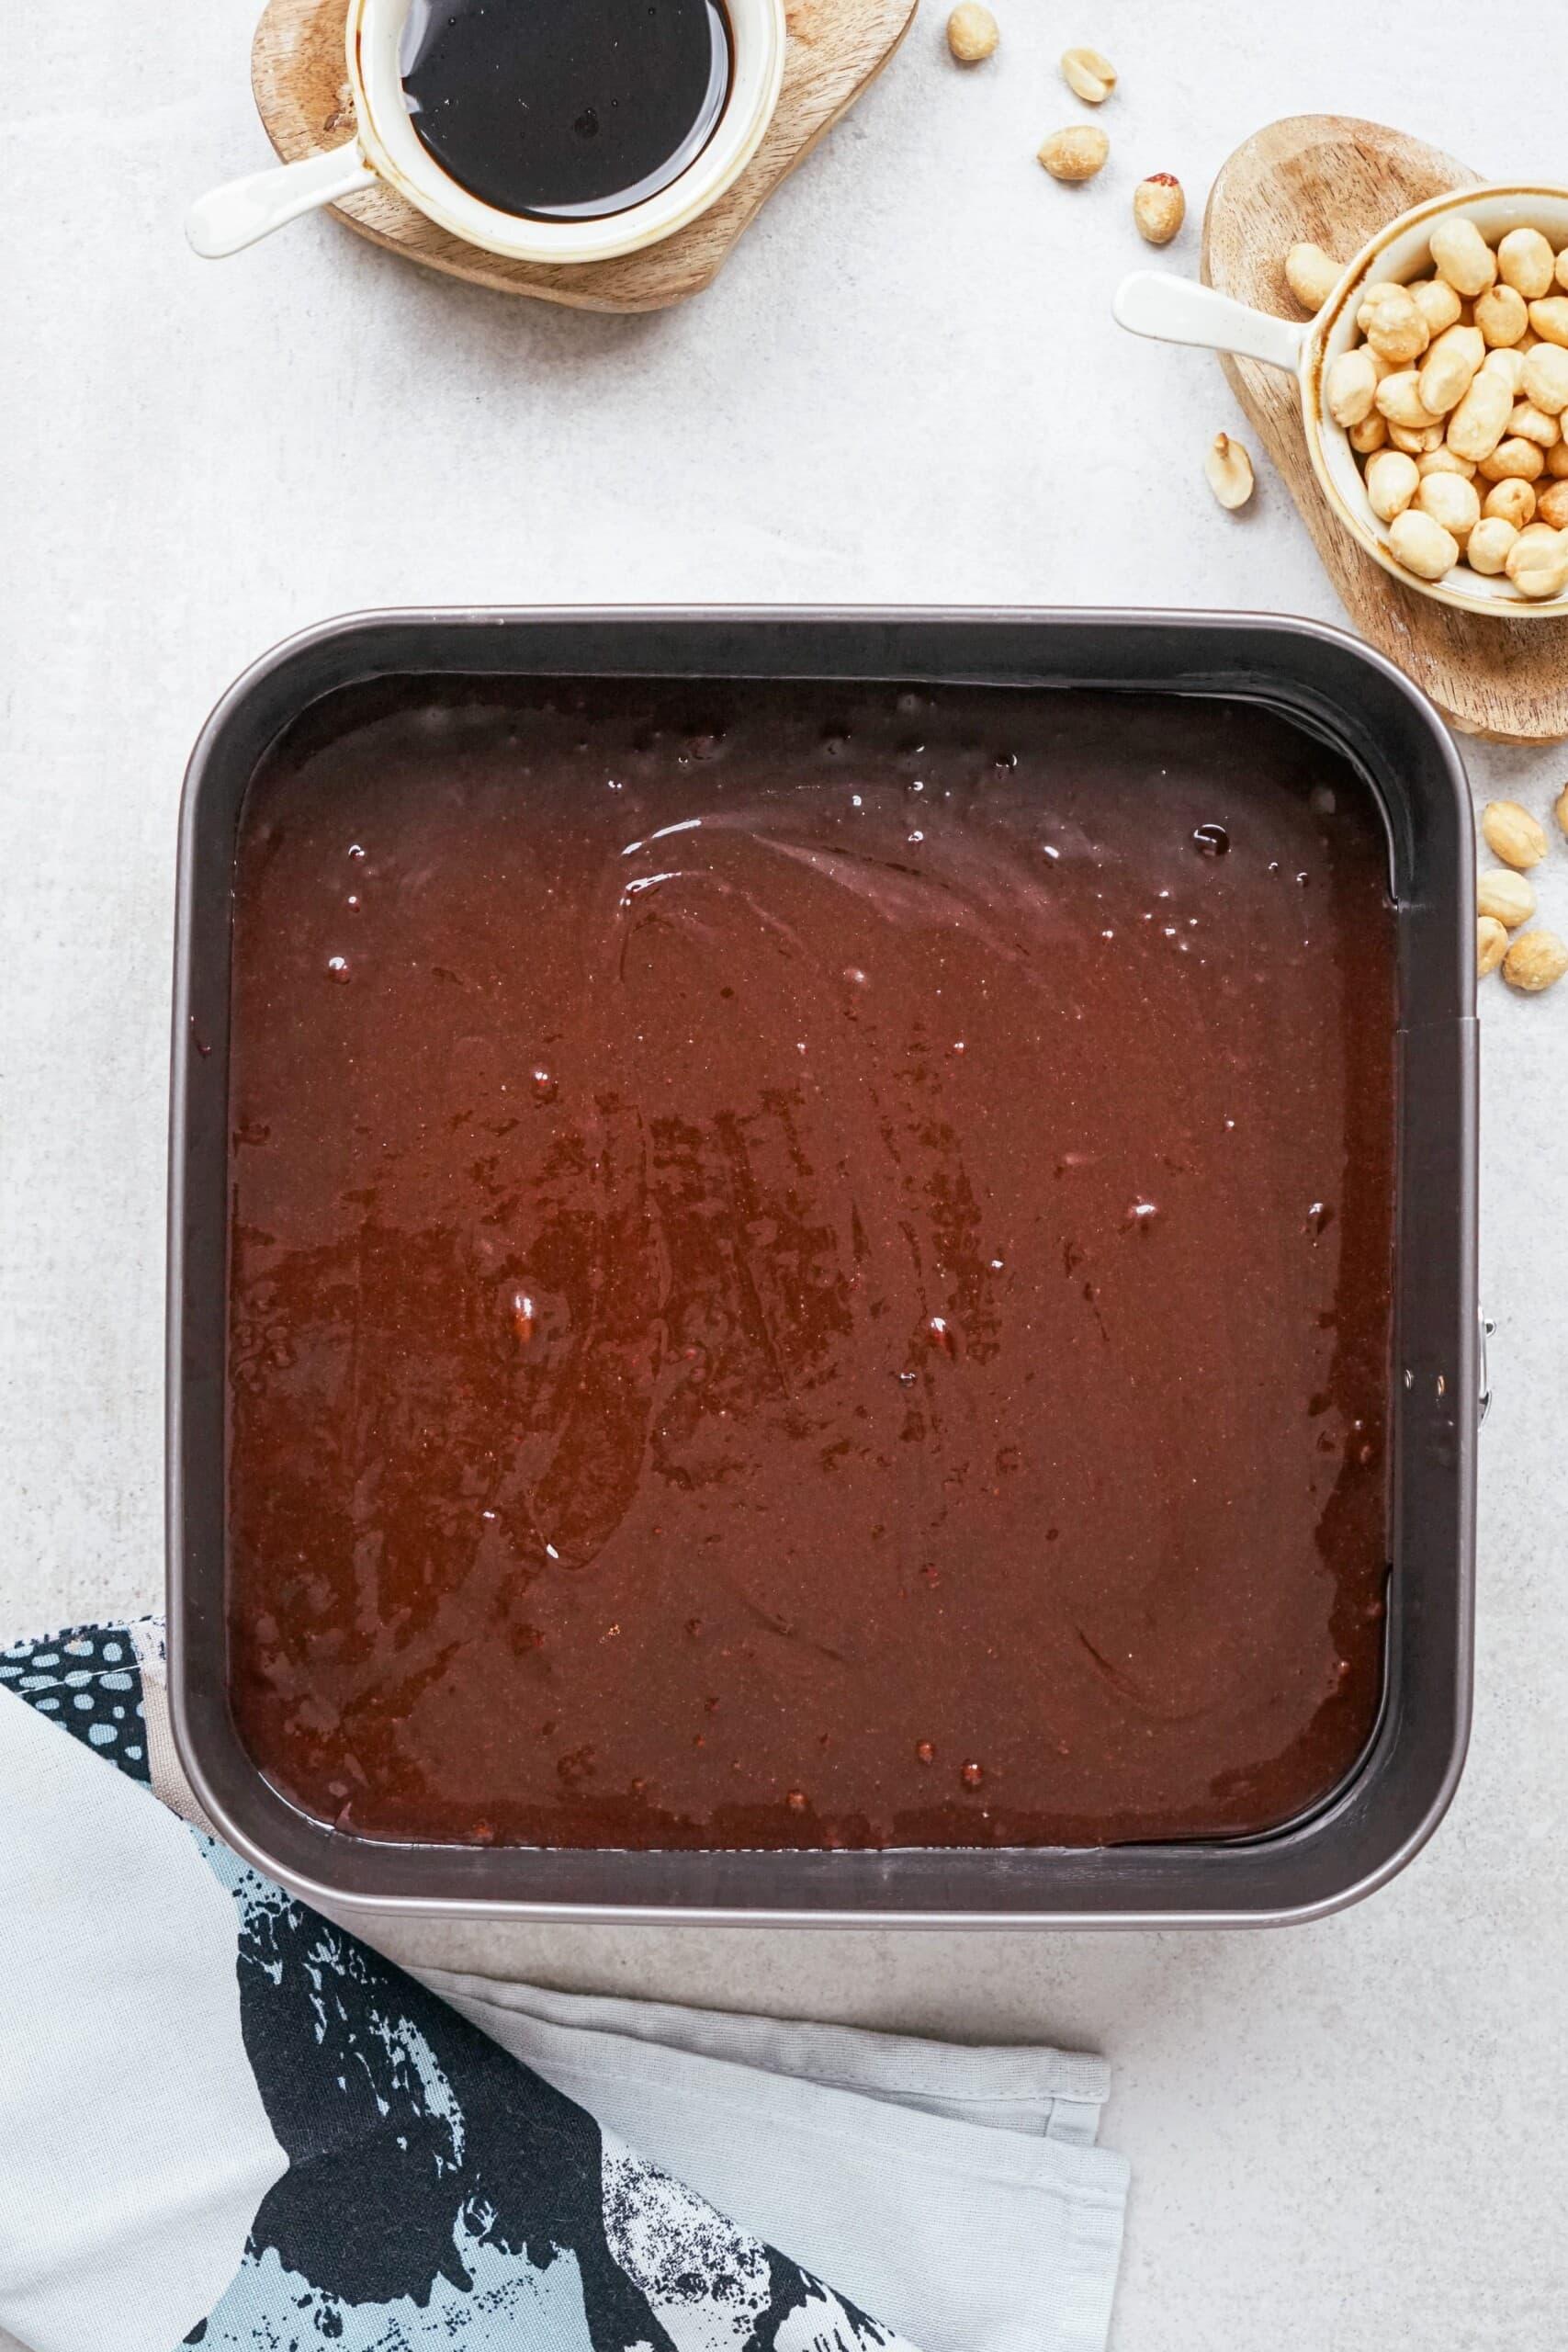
<point x="808" y="1266"/>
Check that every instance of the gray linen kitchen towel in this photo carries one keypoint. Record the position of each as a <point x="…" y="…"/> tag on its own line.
<point x="215" y="2107"/>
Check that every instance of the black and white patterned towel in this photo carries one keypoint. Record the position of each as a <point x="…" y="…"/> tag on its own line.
<point x="226" y="2122"/>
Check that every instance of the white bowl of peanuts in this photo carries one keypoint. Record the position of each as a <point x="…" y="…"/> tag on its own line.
<point x="1434" y="388"/>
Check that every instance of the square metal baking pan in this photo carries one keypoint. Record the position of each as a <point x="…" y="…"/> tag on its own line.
<point x="1323" y="682"/>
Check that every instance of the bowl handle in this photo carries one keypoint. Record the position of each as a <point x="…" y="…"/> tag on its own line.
<point x="1177" y="309"/>
<point x="236" y="215"/>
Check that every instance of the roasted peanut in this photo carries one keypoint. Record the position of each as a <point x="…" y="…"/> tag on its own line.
<point x="1514" y="500"/>
<point x="1395" y="326"/>
<point x="1422" y="546"/>
<point x="1538" y="568"/>
<point x="1513" y="461"/>
<point x="1443" y="462"/>
<point x="1350" y="387"/>
<point x="1529" y="422"/>
<point x="1448" y="368"/>
<point x="1462" y="255"/>
<point x="1557" y="461"/>
<point x="1369" y="435"/>
<point x="1451" y="501"/>
<point x="1543" y="378"/>
<point x="1512" y="834"/>
<point x="1561" y="272"/>
<point x="1392" y="481"/>
<point x="1524" y="262"/>
<point x="1369" y="295"/>
<point x="1504" y="896"/>
<point x="1477" y="424"/>
<point x="1491" y="944"/>
<point x="1398" y="398"/>
<point x="1501" y="316"/>
<point x="972" y="33"/>
<point x="1076" y="152"/>
<point x="1228" y="470"/>
<point x="1437" y="303"/>
<point x="1508" y="364"/>
<point x="1536" y="960"/>
<point x="1486" y="551"/>
<point x="1549" y="317"/>
<point x="1312" y="276"/>
<point x="1159" y="207"/>
<point x="1417" y="442"/>
<point x="1088" y="76"/>
<point x="1552" y="505"/>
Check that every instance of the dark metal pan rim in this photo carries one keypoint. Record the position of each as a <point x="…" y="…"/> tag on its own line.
<point x="1279" y="661"/>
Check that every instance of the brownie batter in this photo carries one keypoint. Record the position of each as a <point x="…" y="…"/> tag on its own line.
<point x="810" y="1266"/>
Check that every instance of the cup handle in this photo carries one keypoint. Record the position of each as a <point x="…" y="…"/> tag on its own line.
<point x="231" y="217"/>
<point x="1177" y="309"/>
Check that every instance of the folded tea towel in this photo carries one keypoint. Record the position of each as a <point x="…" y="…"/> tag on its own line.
<point x="224" y="2120"/>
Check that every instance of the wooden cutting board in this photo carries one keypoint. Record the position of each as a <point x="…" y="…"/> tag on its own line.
<point x="836" y="48"/>
<point x="1334" y="181"/>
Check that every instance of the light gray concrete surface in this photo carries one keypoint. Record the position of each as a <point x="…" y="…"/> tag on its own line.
<point x="904" y="386"/>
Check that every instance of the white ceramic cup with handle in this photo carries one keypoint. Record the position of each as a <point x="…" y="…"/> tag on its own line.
<point x="1177" y="310"/>
<point x="386" y="148"/>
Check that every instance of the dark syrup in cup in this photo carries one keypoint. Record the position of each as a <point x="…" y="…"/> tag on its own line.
<point x="565" y="110"/>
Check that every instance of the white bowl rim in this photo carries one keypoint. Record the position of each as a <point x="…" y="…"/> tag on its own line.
<point x="390" y="145"/>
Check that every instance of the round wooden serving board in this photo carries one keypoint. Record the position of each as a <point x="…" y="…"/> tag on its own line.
<point x="1335" y="182"/>
<point x="836" y="47"/>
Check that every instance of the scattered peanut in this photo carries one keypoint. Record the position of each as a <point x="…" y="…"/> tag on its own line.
<point x="1088" y="76"/>
<point x="1076" y="152"/>
<point x="1228" y="469"/>
<point x="1504" y="896"/>
<point x="972" y="33"/>
<point x="1312" y="276"/>
<point x="1159" y="207"/>
<point x="1491" y="945"/>
<point x="1421" y="545"/>
<point x="1525" y="262"/>
<point x="1512" y="834"/>
<point x="1559" y="810"/>
<point x="1536" y="960"/>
